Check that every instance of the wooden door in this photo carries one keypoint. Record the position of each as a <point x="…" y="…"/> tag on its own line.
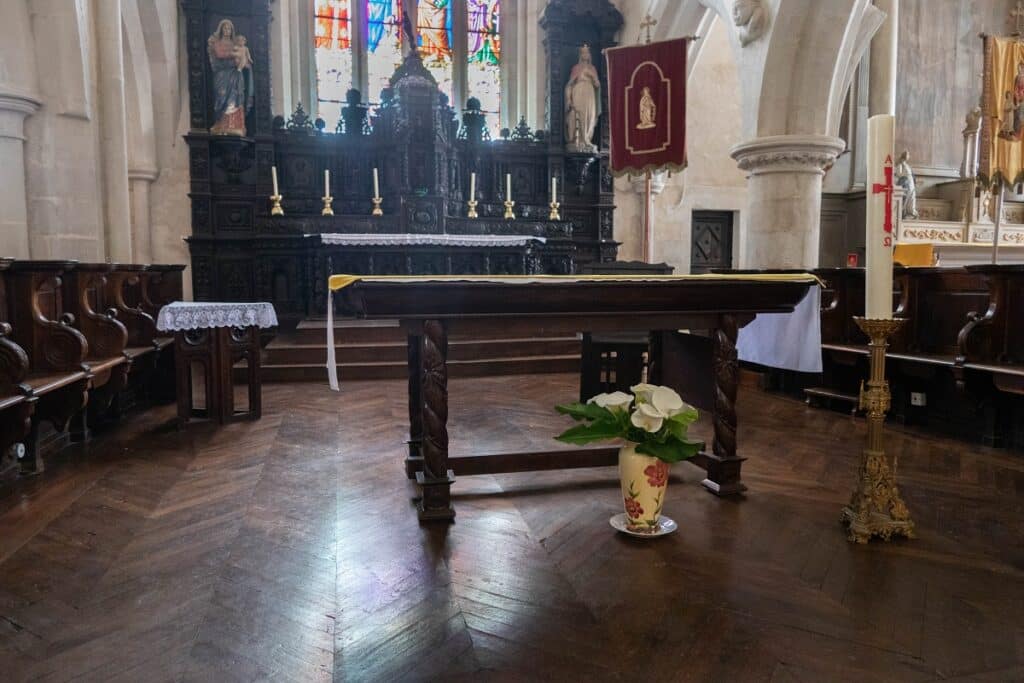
<point x="711" y="241"/>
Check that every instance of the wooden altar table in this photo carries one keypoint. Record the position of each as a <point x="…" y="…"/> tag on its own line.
<point x="432" y="308"/>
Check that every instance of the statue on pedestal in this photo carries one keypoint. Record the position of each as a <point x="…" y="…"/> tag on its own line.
<point x="905" y="179"/>
<point x="231" y="62"/>
<point x="582" y="98"/>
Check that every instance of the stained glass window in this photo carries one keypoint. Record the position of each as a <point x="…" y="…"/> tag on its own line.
<point x="333" y="43"/>
<point x="484" y="58"/>
<point x="434" y="26"/>
<point x="384" y="44"/>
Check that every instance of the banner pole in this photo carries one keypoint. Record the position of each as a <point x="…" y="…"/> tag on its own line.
<point x="998" y="221"/>
<point x="648" y="200"/>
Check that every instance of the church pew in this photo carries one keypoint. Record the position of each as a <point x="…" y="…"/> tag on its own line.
<point x="161" y="284"/>
<point x="84" y="297"/>
<point x="16" y="400"/>
<point x="58" y="375"/>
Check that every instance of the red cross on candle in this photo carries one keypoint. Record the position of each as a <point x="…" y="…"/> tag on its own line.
<point x="886" y="188"/>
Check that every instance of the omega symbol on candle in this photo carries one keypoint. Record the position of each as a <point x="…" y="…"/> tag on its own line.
<point x="886" y="188"/>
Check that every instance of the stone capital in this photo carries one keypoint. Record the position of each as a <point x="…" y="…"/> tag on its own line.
<point x="788" y="154"/>
<point x="14" y="107"/>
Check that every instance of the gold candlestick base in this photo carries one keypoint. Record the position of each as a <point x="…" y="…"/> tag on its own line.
<point x="554" y="215"/>
<point x="876" y="508"/>
<point x="376" y="206"/>
<point x="275" y="207"/>
<point x="472" y="209"/>
<point x="508" y="209"/>
<point x="327" y="210"/>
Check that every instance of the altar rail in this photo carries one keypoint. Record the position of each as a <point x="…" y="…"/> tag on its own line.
<point x="77" y="348"/>
<point x="956" y="366"/>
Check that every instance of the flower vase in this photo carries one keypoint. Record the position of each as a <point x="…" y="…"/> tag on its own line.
<point x="644" y="480"/>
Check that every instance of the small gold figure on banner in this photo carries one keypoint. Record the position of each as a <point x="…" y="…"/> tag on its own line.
<point x="648" y="110"/>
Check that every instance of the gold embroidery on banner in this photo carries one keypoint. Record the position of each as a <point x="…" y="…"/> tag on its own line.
<point x="641" y="125"/>
<point x="648" y="110"/>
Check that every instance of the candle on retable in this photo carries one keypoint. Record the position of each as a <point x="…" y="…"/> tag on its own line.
<point x="376" y="184"/>
<point x="554" y="188"/>
<point x="273" y="176"/>
<point x="327" y="182"/>
<point x="472" y="185"/>
<point x="508" y="186"/>
<point x="879" y="239"/>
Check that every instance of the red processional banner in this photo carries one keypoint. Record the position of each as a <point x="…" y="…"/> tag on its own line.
<point x="647" y="106"/>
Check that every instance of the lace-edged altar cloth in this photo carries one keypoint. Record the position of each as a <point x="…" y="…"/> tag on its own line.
<point x="405" y="240"/>
<point x="194" y="315"/>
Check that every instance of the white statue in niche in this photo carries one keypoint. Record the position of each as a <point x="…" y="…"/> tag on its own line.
<point x="905" y="179"/>
<point x="582" y="98"/>
<point x="751" y="18"/>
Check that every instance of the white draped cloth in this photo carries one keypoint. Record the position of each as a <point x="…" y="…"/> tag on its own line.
<point x="791" y="341"/>
<point x="360" y="239"/>
<point x="194" y="315"/>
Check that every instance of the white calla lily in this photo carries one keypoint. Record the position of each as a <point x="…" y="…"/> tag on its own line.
<point x="617" y="401"/>
<point x="647" y="417"/>
<point x="643" y="392"/>
<point x="667" y="401"/>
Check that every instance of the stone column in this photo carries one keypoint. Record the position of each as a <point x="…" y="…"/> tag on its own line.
<point x="784" y="173"/>
<point x="113" y="132"/>
<point x="142" y="241"/>
<point x="882" y="77"/>
<point x="13" y="203"/>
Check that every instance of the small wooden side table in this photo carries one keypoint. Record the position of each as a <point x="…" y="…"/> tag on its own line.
<point x="216" y="336"/>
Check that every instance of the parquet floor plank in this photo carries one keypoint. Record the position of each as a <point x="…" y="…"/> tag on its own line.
<point x="289" y="550"/>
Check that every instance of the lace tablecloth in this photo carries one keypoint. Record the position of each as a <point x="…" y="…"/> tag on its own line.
<point x="368" y="239"/>
<point x="193" y="315"/>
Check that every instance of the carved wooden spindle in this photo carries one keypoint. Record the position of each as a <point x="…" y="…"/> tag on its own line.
<point x="435" y="479"/>
<point x="723" y="464"/>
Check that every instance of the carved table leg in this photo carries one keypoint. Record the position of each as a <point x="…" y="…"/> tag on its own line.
<point x="723" y="464"/>
<point x="414" y="461"/>
<point x="435" y="479"/>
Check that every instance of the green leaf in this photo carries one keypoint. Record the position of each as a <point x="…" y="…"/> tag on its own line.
<point x="587" y="433"/>
<point x="673" y="450"/>
<point x="687" y="417"/>
<point x="585" y="411"/>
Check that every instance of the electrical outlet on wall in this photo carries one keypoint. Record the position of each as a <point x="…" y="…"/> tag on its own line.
<point x="918" y="398"/>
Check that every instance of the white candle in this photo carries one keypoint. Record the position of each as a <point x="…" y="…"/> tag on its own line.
<point x="878" y="240"/>
<point x="554" y="188"/>
<point x="376" y="184"/>
<point x="273" y="176"/>
<point x="327" y="182"/>
<point x="472" y="185"/>
<point x="508" y="186"/>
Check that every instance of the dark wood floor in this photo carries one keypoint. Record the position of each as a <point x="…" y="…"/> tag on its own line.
<point x="288" y="550"/>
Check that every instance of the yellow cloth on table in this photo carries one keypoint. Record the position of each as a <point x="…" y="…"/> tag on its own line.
<point x="914" y="255"/>
<point x="336" y="282"/>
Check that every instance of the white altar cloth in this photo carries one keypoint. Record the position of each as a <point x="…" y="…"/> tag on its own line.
<point x="791" y="341"/>
<point x="194" y="315"/>
<point x="361" y="239"/>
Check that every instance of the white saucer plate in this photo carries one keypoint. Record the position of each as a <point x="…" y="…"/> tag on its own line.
<point x="666" y="525"/>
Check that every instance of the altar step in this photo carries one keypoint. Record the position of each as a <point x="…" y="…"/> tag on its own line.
<point x="376" y="349"/>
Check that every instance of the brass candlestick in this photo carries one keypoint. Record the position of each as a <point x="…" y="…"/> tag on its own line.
<point x="327" y="210"/>
<point x="554" y="215"/>
<point x="275" y="207"/>
<point x="508" y="209"/>
<point x="876" y="508"/>
<point x="376" y="206"/>
<point x="472" y="209"/>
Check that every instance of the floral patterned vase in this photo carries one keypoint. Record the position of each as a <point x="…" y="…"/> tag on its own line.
<point x="644" y="480"/>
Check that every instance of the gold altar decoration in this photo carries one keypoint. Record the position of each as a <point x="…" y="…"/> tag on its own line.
<point x="553" y="215"/>
<point x="328" y="210"/>
<point x="472" y="209"/>
<point x="376" y="206"/>
<point x="876" y="508"/>
<point x="275" y="205"/>
<point x="509" y="214"/>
